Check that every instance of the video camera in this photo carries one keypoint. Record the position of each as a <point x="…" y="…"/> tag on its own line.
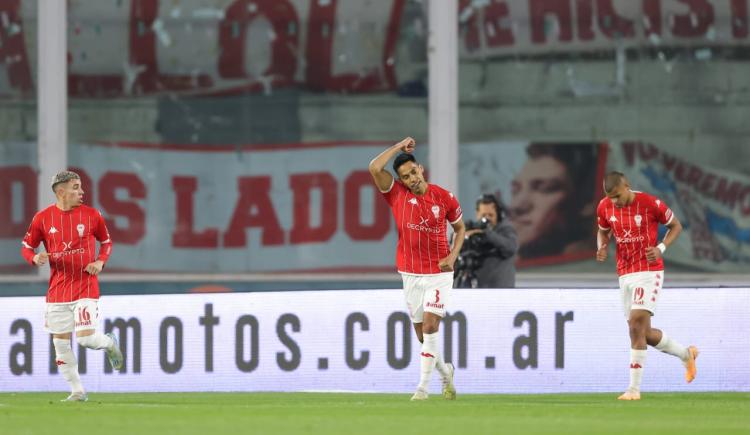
<point x="473" y="252"/>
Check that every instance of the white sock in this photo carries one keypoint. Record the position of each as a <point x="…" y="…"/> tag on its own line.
<point x="667" y="345"/>
<point x="67" y="364"/>
<point x="440" y="365"/>
<point x="637" y="361"/>
<point x="428" y="359"/>
<point x="96" y="340"/>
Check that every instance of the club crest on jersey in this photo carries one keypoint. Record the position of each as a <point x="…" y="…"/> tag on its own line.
<point x="80" y="229"/>
<point x="436" y="211"/>
<point x="413" y="201"/>
<point x="638" y="219"/>
<point x="52" y="230"/>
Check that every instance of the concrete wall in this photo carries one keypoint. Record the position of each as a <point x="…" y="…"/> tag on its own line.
<point x="697" y="109"/>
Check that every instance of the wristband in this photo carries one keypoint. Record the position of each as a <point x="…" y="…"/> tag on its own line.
<point x="662" y="247"/>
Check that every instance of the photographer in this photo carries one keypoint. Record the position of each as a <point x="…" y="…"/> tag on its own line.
<point x="488" y="254"/>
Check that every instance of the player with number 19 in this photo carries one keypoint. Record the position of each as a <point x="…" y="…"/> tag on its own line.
<point x="633" y="218"/>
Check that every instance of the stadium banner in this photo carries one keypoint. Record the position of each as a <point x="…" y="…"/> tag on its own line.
<point x="512" y="27"/>
<point x="222" y="209"/>
<point x="242" y="46"/>
<point x="712" y="204"/>
<point x="297" y="207"/>
<point x="302" y="207"/>
<point x="501" y="341"/>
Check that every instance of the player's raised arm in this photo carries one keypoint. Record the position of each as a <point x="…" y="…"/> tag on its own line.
<point x="383" y="179"/>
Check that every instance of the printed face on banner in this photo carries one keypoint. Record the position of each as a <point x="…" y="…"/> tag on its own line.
<point x="538" y="194"/>
<point x="552" y="191"/>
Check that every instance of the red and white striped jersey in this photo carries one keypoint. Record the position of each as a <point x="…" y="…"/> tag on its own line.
<point x="69" y="237"/>
<point x="421" y="221"/>
<point x="635" y="228"/>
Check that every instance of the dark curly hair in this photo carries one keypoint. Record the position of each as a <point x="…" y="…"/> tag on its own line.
<point x="401" y="159"/>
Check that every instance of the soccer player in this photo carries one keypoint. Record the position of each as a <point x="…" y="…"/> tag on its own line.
<point x="424" y="257"/>
<point x="69" y="231"/>
<point x="634" y="217"/>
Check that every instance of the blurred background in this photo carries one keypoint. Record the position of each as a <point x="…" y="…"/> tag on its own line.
<point x="226" y="142"/>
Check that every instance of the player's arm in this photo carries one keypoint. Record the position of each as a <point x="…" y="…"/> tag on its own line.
<point x="105" y="247"/>
<point x="603" y="234"/>
<point x="602" y="242"/>
<point x="674" y="228"/>
<point x="459" y="232"/>
<point x="383" y="179"/>
<point x="29" y="244"/>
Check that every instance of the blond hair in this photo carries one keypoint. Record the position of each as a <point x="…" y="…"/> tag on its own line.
<point x="64" y="177"/>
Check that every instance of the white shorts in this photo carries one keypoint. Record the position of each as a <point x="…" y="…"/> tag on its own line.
<point x="80" y="315"/>
<point x="430" y="293"/>
<point x="640" y="291"/>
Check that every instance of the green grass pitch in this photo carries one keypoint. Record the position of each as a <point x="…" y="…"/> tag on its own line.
<point x="382" y="414"/>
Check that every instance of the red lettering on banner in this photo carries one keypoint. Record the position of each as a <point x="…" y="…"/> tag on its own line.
<point x="611" y="24"/>
<point x="647" y="151"/>
<point x="628" y="148"/>
<point x="109" y="185"/>
<point x="233" y="38"/>
<point x="694" y="177"/>
<point x="321" y="29"/>
<point x="389" y="47"/>
<point x="539" y="9"/>
<point x="739" y="18"/>
<point x="713" y="186"/>
<point x="744" y="200"/>
<point x="727" y="195"/>
<point x="494" y="14"/>
<point x="707" y="184"/>
<point x="26" y="178"/>
<point x="353" y="225"/>
<point x="302" y="186"/>
<point x="254" y="209"/>
<point x="680" y="172"/>
<point x="13" y="47"/>
<point x="471" y="37"/>
<point x="652" y="10"/>
<point x="668" y="161"/>
<point x="695" y="22"/>
<point x="584" y="18"/>
<point x="320" y="35"/>
<point x="184" y="235"/>
<point x="143" y="13"/>
<point x="573" y="20"/>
